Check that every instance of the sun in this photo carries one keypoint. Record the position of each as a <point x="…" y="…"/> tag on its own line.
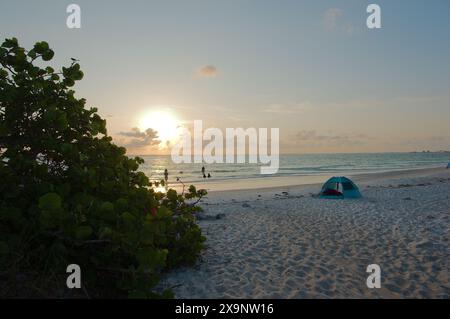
<point x="164" y="122"/>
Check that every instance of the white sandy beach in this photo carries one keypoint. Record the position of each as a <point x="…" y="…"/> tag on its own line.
<point x="284" y="243"/>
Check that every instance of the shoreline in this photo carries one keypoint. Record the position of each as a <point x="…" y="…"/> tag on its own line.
<point x="293" y="181"/>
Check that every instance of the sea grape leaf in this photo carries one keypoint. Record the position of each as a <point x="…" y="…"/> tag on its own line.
<point x="4" y="248"/>
<point x="172" y="195"/>
<point x="151" y="257"/>
<point x="83" y="232"/>
<point x="50" y="201"/>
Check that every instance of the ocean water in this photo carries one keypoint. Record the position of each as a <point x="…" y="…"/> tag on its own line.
<point x="301" y="165"/>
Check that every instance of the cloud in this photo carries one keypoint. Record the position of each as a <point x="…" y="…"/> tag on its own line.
<point x="286" y="108"/>
<point x="135" y="132"/>
<point x="311" y="137"/>
<point x="138" y="138"/>
<point x="425" y="143"/>
<point x="208" y="71"/>
<point x="334" y="20"/>
<point x="331" y="18"/>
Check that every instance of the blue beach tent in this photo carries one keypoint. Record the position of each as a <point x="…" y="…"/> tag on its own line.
<point x="339" y="187"/>
<point x="448" y="165"/>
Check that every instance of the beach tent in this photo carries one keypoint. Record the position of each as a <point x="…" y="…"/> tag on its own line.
<point x="339" y="187"/>
<point x="448" y="165"/>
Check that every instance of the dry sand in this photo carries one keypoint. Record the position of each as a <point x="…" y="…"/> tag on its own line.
<point x="284" y="243"/>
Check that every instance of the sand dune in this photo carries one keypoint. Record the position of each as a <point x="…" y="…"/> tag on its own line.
<point x="270" y="244"/>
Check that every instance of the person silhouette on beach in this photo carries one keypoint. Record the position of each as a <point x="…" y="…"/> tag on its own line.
<point x="166" y="175"/>
<point x="204" y="176"/>
<point x="209" y="175"/>
<point x="203" y="170"/>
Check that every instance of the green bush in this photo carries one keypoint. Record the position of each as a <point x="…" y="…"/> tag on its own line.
<point x="70" y="196"/>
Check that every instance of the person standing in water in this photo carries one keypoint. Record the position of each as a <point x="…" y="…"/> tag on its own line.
<point x="166" y="175"/>
<point x="203" y="170"/>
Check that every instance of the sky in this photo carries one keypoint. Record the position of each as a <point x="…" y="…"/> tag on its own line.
<point x="310" y="68"/>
